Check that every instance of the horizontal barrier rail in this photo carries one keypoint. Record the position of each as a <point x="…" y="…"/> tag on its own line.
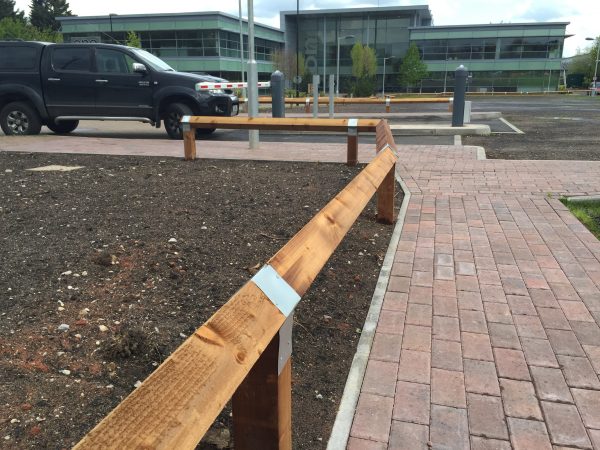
<point x="387" y="101"/>
<point x="243" y="349"/>
<point x="350" y="126"/>
<point x="228" y="85"/>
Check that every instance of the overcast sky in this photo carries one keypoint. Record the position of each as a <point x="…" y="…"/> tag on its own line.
<point x="584" y="14"/>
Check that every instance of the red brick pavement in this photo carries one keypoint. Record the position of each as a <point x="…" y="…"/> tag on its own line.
<point x="496" y="342"/>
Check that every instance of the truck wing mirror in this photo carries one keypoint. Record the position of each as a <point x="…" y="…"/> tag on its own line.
<point x="139" y="68"/>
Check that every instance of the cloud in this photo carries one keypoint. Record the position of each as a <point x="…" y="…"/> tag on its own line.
<point x="547" y="12"/>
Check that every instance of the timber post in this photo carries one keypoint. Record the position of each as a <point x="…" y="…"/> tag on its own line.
<point x="189" y="139"/>
<point x="352" y="154"/>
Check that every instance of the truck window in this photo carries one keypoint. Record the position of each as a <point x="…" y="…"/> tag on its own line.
<point x="71" y="59"/>
<point x="17" y="57"/>
<point x="113" y="61"/>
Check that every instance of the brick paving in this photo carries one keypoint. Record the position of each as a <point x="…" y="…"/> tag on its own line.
<point x="490" y="321"/>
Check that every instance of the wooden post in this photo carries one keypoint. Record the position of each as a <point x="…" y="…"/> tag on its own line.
<point x="307" y="107"/>
<point x="352" y="156"/>
<point x="385" y="197"/>
<point x="387" y="104"/>
<point x="262" y="404"/>
<point x="189" y="142"/>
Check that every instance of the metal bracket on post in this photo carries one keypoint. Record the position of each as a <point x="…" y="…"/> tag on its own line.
<point x="285" y="342"/>
<point x="352" y="127"/>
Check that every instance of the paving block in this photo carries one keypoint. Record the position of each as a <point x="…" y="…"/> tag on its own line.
<point x="449" y="428"/>
<point x="565" y="425"/>
<point x="528" y="434"/>
<point x="519" y="399"/>
<point x="486" y="417"/>
<point x="411" y="403"/>
<point x="448" y="388"/>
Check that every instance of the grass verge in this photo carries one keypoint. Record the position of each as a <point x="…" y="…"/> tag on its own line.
<point x="588" y="213"/>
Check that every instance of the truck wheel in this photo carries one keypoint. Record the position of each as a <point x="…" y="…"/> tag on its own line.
<point x="63" y="127"/>
<point x="19" y="118"/>
<point x="204" y="131"/>
<point x="173" y="115"/>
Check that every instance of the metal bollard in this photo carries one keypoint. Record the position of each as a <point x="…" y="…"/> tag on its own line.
<point x="316" y="79"/>
<point x="460" y="86"/>
<point x="277" y="94"/>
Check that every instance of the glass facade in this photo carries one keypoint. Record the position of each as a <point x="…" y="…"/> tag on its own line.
<point x="386" y="30"/>
<point x="490" y="48"/>
<point x="190" y="42"/>
<point x="507" y="58"/>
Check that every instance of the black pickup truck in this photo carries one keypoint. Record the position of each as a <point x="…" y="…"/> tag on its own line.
<point x="58" y="85"/>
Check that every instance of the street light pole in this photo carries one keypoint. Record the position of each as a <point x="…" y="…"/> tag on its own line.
<point x="337" y="83"/>
<point x="445" y="74"/>
<point x="252" y="77"/>
<point x="383" y="85"/>
<point x="595" y="65"/>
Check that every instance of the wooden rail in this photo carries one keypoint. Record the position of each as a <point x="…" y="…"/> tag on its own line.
<point x="351" y="126"/>
<point x="387" y="101"/>
<point x="242" y="351"/>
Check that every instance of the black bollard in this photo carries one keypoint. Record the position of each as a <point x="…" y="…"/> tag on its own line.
<point x="277" y="94"/>
<point x="460" y="86"/>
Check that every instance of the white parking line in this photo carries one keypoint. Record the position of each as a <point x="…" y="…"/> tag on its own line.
<point x="512" y="127"/>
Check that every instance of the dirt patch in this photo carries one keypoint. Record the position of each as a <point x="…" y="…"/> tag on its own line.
<point x="106" y="270"/>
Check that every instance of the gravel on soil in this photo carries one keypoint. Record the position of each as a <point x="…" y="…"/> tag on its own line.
<point x="106" y="269"/>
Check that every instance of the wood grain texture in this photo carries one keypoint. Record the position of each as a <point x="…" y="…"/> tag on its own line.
<point x="179" y="401"/>
<point x="189" y="145"/>
<point x="262" y="405"/>
<point x="271" y="123"/>
<point x="352" y="152"/>
<point x="387" y="189"/>
<point x="301" y="259"/>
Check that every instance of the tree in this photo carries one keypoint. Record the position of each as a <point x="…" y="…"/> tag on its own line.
<point x="133" y="40"/>
<point x="285" y="61"/>
<point x="44" y="12"/>
<point x="584" y="63"/>
<point x="7" y="9"/>
<point x="412" y="69"/>
<point x="364" y="68"/>
<point x="16" y="28"/>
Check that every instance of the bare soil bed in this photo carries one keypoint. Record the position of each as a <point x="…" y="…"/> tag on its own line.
<point x="105" y="270"/>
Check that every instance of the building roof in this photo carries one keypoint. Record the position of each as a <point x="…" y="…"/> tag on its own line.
<point x="423" y="9"/>
<point x="488" y="25"/>
<point x="158" y="16"/>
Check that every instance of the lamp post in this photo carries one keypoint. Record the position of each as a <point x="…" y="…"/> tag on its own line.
<point x="383" y="85"/>
<point x="595" y="65"/>
<point x="445" y="74"/>
<point x="337" y="83"/>
<point x="241" y="46"/>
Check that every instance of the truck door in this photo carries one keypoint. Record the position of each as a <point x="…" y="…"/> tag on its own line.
<point x="119" y="90"/>
<point x="69" y="81"/>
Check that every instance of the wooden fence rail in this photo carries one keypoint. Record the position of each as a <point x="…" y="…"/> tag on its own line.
<point x="350" y="126"/>
<point x="242" y="351"/>
<point x="387" y="101"/>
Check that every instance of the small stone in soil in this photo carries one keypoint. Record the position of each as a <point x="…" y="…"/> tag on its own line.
<point x="63" y="327"/>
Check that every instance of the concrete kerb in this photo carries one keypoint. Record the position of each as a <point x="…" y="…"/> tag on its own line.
<point x="583" y="198"/>
<point x="343" y="421"/>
